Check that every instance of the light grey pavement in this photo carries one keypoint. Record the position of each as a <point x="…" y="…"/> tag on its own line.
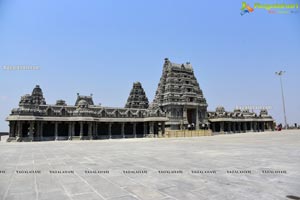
<point x="238" y="161"/>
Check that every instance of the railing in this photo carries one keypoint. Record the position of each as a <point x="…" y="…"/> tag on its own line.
<point x="187" y="133"/>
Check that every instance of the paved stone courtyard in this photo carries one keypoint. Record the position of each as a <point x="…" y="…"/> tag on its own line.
<point x="240" y="166"/>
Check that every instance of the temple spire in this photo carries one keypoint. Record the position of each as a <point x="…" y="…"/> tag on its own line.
<point x="137" y="97"/>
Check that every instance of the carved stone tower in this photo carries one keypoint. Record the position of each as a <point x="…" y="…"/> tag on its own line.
<point x="37" y="96"/>
<point x="35" y="99"/>
<point x="180" y="96"/>
<point x="137" y="97"/>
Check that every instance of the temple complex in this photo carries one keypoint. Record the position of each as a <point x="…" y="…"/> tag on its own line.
<point x="36" y="120"/>
<point x="179" y="104"/>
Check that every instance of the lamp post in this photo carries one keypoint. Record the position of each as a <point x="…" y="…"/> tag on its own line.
<point x="280" y="73"/>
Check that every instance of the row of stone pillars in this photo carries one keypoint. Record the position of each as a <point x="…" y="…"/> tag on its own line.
<point x="16" y="129"/>
<point x="238" y="127"/>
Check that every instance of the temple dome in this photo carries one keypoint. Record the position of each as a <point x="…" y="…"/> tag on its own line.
<point x="220" y="109"/>
<point x="82" y="104"/>
<point x="61" y="102"/>
<point x="37" y="91"/>
<point x="87" y="99"/>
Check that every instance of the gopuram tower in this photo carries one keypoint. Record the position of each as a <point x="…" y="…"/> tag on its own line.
<point x="179" y="95"/>
<point x="137" y="97"/>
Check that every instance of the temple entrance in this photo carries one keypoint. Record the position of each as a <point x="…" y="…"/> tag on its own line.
<point x="48" y="130"/>
<point x="25" y="129"/>
<point x="217" y="127"/>
<point x="139" y="130"/>
<point x="191" y="116"/>
<point x="85" y="129"/>
<point x="63" y="129"/>
<point x="102" y="130"/>
<point x="77" y="129"/>
<point x="128" y="130"/>
<point x="116" y="130"/>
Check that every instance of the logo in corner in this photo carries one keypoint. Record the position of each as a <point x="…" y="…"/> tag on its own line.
<point x="246" y="8"/>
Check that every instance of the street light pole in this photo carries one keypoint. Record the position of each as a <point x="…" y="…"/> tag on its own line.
<point x="280" y="73"/>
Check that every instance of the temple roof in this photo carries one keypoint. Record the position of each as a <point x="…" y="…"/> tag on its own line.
<point x="37" y="91"/>
<point x="137" y="97"/>
<point x="36" y="98"/>
<point x="88" y="99"/>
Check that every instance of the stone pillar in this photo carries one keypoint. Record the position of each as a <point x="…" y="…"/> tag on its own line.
<point x="109" y="130"/>
<point x="267" y="125"/>
<point x="254" y="126"/>
<point x="197" y="119"/>
<point x="184" y="113"/>
<point x="151" y="129"/>
<point x="19" y="131"/>
<point x="81" y="130"/>
<point x="145" y="129"/>
<point x="73" y="130"/>
<point x="221" y="126"/>
<point x="213" y="127"/>
<point x="11" y="129"/>
<point x="229" y="127"/>
<point x="41" y="131"/>
<point x="70" y="130"/>
<point x="163" y="129"/>
<point x="159" y="126"/>
<point x="245" y="127"/>
<point x="134" y="130"/>
<point x="96" y="129"/>
<point x="239" y="127"/>
<point x="56" y="131"/>
<point x="251" y="126"/>
<point x="263" y="126"/>
<point x="90" y="130"/>
<point x="31" y="128"/>
<point x="123" y="130"/>
<point x="233" y="127"/>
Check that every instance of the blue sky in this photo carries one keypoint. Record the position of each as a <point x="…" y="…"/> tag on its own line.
<point x="102" y="47"/>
